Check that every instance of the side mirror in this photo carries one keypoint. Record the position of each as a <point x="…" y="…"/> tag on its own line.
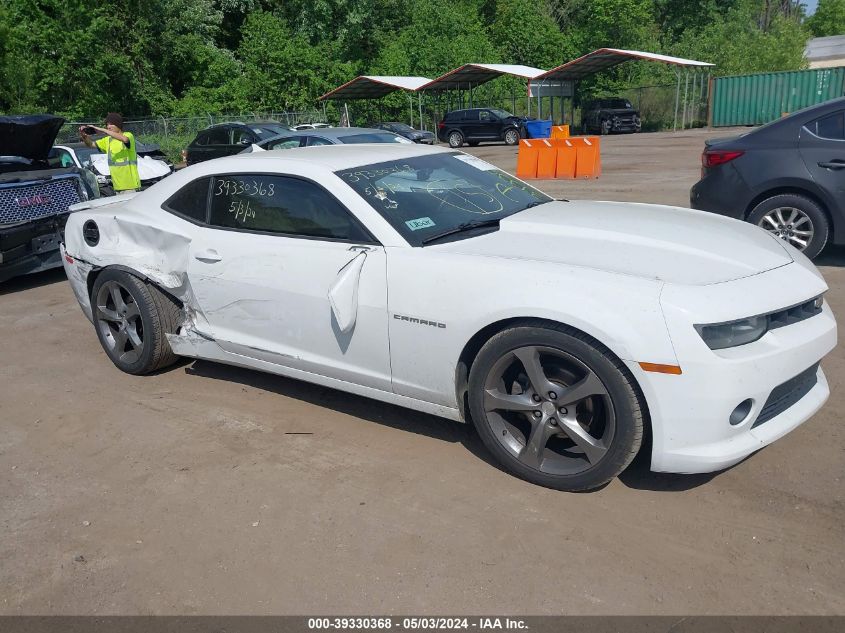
<point x="245" y="141"/>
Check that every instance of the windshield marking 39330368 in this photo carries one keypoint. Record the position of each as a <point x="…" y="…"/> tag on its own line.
<point x="428" y="197"/>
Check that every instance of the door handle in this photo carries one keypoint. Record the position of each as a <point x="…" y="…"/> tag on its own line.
<point x="361" y="248"/>
<point x="834" y="164"/>
<point x="208" y="256"/>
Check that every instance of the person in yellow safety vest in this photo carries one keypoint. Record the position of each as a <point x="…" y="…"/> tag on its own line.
<point x="120" y="147"/>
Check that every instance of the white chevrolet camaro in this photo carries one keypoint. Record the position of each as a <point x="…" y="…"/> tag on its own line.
<point x="566" y="332"/>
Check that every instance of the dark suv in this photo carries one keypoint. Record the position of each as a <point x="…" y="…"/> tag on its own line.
<point x="227" y="139"/>
<point x="611" y="114"/>
<point x="35" y="193"/>
<point x="479" y="124"/>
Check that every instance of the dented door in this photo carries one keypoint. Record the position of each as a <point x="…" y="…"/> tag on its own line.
<point x="309" y="304"/>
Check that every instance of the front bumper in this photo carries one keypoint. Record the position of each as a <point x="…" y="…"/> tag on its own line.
<point x="690" y="412"/>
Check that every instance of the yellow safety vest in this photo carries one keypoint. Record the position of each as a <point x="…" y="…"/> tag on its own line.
<point x="123" y="162"/>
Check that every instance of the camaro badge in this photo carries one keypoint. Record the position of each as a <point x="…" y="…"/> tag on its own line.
<point x="402" y="317"/>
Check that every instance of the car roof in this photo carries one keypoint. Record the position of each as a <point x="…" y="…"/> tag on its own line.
<point x="336" y="132"/>
<point x="336" y="157"/>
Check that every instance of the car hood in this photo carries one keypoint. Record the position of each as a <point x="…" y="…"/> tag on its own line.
<point x="29" y="136"/>
<point x="664" y="243"/>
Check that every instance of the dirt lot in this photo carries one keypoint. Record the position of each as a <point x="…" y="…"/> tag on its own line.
<point x="196" y="491"/>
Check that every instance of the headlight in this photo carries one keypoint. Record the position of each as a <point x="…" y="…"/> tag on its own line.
<point x="102" y="179"/>
<point x="93" y="188"/>
<point x="733" y="333"/>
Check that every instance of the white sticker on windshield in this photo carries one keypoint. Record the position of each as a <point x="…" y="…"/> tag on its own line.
<point x="419" y="223"/>
<point x="476" y="162"/>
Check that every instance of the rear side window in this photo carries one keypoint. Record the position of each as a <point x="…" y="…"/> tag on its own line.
<point x="470" y="115"/>
<point x="191" y="201"/>
<point x="831" y="126"/>
<point x="453" y="116"/>
<point x="280" y="204"/>
<point x="317" y="140"/>
<point x="285" y="143"/>
<point x="216" y="136"/>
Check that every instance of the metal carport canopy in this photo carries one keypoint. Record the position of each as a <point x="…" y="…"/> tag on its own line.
<point x="476" y="74"/>
<point x="374" y="87"/>
<point x="604" y="58"/>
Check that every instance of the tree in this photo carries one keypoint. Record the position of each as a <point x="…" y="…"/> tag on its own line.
<point x="829" y="18"/>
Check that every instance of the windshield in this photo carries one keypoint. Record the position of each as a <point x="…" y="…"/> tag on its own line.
<point x="266" y="131"/>
<point x="400" y="127"/>
<point x="371" y="137"/>
<point x="428" y="195"/>
<point x="618" y="104"/>
<point x="83" y="154"/>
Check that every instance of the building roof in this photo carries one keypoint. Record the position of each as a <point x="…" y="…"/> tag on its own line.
<point x="605" y="58"/>
<point x="475" y="74"/>
<point x="374" y="86"/>
<point x="820" y="48"/>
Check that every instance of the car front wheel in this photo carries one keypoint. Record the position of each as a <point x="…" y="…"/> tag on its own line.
<point x="511" y="137"/>
<point x="555" y="407"/>
<point x="132" y="318"/>
<point x="606" y="126"/>
<point x="796" y="220"/>
<point x="456" y="139"/>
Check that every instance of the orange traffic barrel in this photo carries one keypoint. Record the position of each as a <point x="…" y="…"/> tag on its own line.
<point x="560" y="131"/>
<point x="546" y="159"/>
<point x="587" y="159"/>
<point x="566" y="157"/>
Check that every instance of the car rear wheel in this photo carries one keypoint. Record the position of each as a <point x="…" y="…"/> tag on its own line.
<point x="512" y="137"/>
<point x="132" y="318"/>
<point x="796" y="220"/>
<point x="456" y="139"/>
<point x="555" y="407"/>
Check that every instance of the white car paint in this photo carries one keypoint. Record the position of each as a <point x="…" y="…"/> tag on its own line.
<point x="635" y="277"/>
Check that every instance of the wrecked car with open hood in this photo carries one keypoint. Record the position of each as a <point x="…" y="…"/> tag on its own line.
<point x="566" y="332"/>
<point x="35" y="194"/>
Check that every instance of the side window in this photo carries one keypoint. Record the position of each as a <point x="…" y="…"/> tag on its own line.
<point x="242" y="137"/>
<point x="191" y="201"/>
<point x="215" y="136"/>
<point x="285" y="143"/>
<point x="486" y="116"/>
<point x="471" y="115"/>
<point x="831" y="127"/>
<point x="280" y="204"/>
<point x="317" y="140"/>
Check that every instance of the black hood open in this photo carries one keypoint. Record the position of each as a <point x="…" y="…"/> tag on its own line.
<point x="29" y="135"/>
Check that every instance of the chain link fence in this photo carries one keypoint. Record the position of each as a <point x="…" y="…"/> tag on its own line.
<point x="173" y="135"/>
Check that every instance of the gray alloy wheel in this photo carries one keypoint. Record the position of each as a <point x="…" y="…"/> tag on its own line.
<point x="132" y="318"/>
<point x="456" y="139"/>
<point x="511" y="137"/>
<point x="549" y="410"/>
<point x="789" y="224"/>
<point x="796" y="219"/>
<point x="119" y="322"/>
<point x="555" y="406"/>
<point x="606" y="126"/>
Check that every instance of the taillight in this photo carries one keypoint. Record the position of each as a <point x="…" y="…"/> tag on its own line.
<point x="713" y="157"/>
<point x="441" y="125"/>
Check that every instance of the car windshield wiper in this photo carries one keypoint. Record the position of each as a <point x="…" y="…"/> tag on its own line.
<point x="465" y="226"/>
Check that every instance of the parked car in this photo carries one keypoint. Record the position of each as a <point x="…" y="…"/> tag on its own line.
<point x="403" y="129"/>
<point x="326" y="136"/>
<point x="480" y="124"/>
<point x="226" y="139"/>
<point x="430" y="279"/>
<point x="153" y="165"/>
<point x="610" y="114"/>
<point x="787" y="177"/>
<point x="35" y="194"/>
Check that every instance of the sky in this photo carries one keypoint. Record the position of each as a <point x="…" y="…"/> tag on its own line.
<point x="811" y="6"/>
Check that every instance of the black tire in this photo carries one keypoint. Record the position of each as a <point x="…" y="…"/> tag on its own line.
<point x="511" y="136"/>
<point x="456" y="139"/>
<point x="157" y="314"/>
<point x="605" y="127"/>
<point x="815" y="216"/>
<point x="626" y="407"/>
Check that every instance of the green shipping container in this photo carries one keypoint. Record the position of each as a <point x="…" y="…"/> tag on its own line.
<point x="758" y="99"/>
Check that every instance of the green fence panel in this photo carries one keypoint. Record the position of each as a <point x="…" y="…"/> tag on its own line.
<point x="764" y="97"/>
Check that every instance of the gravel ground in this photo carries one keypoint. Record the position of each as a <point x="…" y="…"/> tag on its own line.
<point x="196" y="491"/>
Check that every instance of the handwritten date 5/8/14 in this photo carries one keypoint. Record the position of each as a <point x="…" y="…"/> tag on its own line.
<point x="241" y="209"/>
<point x="237" y="187"/>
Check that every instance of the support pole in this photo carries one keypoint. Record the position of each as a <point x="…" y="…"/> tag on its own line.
<point x="677" y="99"/>
<point x="419" y="103"/>
<point x="686" y="89"/>
<point x="411" y="108"/>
